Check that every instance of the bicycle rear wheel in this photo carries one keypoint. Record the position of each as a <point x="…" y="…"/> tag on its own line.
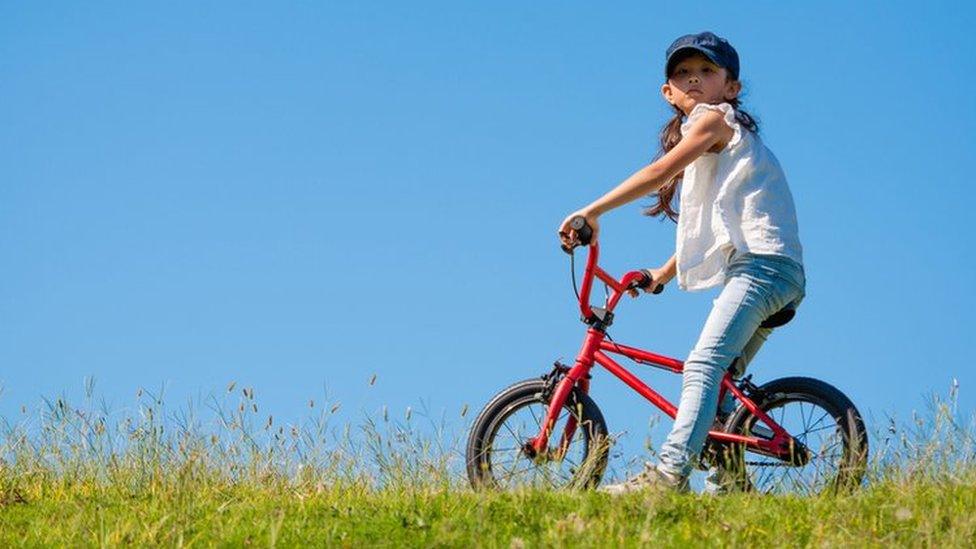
<point x="818" y="416"/>
<point x="495" y="456"/>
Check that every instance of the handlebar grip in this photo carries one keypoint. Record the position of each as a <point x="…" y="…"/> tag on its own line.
<point x="584" y="233"/>
<point x="647" y="281"/>
<point x="583" y="229"/>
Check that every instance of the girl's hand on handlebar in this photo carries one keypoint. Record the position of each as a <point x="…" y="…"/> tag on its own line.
<point x="660" y="277"/>
<point x="568" y="236"/>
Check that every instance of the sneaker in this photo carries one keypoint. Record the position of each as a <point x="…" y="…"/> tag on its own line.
<point x="648" y="479"/>
<point x="718" y="481"/>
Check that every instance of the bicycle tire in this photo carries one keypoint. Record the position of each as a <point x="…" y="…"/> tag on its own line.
<point x="848" y="429"/>
<point x="591" y="433"/>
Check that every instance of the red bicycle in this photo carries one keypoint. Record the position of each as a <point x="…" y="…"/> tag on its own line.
<point x="796" y="434"/>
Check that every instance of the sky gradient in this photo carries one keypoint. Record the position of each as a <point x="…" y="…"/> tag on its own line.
<point x="298" y="196"/>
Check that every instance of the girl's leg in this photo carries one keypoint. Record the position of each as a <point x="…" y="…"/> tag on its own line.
<point x="715" y="479"/>
<point x="727" y="406"/>
<point x="755" y="288"/>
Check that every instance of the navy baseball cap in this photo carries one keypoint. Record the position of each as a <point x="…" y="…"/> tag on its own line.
<point x="711" y="46"/>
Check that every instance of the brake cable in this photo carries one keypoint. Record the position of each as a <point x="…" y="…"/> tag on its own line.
<point x="606" y="290"/>
<point x="572" y="271"/>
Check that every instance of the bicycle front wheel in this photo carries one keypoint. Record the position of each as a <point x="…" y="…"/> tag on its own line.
<point x="819" y="417"/>
<point x="495" y="456"/>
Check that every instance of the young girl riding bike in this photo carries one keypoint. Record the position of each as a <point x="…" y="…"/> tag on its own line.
<point x="737" y="226"/>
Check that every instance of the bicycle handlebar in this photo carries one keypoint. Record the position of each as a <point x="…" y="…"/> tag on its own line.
<point x="633" y="279"/>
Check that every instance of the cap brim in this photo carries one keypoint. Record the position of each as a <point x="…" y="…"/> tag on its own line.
<point x="671" y="58"/>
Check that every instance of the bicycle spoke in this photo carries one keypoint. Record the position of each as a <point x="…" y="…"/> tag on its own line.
<point x="803" y="416"/>
<point x="511" y="468"/>
<point x="821" y="418"/>
<point x="506" y="449"/>
<point x="818" y="429"/>
<point x="768" y="473"/>
<point x="513" y="471"/>
<point x="812" y="426"/>
<point x="796" y="477"/>
<point x="538" y="421"/>
<point x="515" y="436"/>
<point x="571" y="462"/>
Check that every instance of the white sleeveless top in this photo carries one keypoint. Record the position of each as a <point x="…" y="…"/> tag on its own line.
<point x="736" y="199"/>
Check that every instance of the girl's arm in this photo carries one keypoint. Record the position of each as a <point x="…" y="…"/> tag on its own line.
<point x="668" y="270"/>
<point x="707" y="132"/>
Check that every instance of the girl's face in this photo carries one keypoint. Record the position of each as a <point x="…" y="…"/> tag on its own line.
<point x="696" y="79"/>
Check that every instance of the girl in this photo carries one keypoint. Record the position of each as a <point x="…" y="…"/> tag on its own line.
<point x="737" y="226"/>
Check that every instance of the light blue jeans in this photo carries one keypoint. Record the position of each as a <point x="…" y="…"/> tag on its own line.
<point x="756" y="286"/>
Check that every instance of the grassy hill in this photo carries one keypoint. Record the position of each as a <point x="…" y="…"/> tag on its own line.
<point x="81" y="476"/>
<point x="183" y="510"/>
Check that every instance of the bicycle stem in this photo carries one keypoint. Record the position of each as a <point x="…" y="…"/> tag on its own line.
<point x="592" y="270"/>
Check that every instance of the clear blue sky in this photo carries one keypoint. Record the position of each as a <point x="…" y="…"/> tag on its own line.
<point x="299" y="195"/>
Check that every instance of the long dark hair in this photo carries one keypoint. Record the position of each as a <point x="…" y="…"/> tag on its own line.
<point x="670" y="136"/>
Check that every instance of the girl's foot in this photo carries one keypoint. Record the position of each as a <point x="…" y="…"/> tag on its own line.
<point x="718" y="481"/>
<point x="651" y="478"/>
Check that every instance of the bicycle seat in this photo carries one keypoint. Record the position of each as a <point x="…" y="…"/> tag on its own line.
<point x="779" y="318"/>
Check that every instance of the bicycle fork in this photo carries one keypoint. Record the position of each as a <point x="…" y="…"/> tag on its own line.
<point x="579" y="375"/>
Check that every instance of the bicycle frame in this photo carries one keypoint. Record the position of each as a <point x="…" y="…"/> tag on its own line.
<point x="596" y="350"/>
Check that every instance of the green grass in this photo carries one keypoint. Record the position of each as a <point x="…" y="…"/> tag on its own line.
<point x="192" y="513"/>
<point x="86" y="476"/>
